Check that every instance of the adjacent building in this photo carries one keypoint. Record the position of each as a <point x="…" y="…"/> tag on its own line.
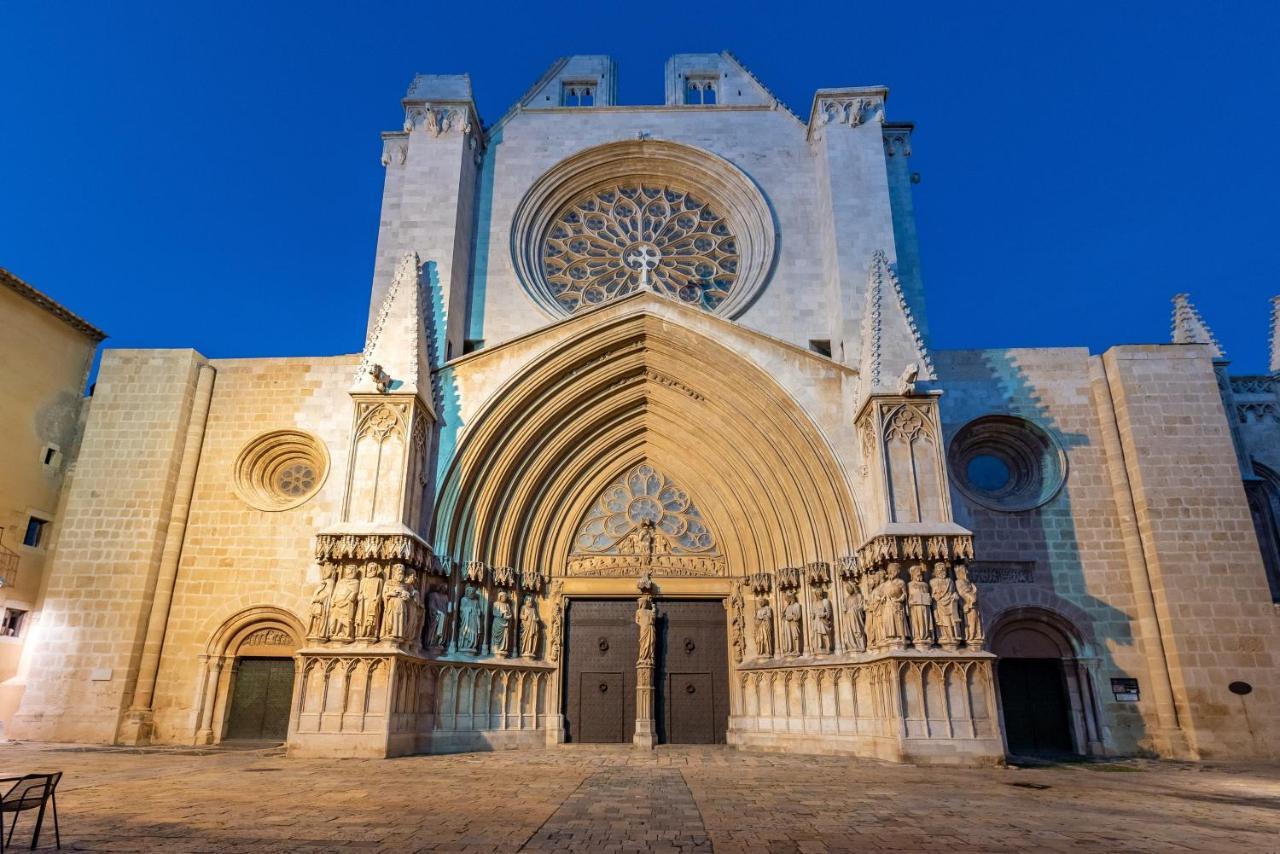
<point x="648" y="444"/>
<point x="46" y="353"/>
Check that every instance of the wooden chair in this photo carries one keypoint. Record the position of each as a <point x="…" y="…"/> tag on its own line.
<point x="30" y="792"/>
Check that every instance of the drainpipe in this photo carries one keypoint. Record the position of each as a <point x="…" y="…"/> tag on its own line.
<point x="138" y="724"/>
<point x="1149" y="630"/>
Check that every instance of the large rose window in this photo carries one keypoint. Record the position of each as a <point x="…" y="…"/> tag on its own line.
<point x="644" y="497"/>
<point x="619" y="239"/>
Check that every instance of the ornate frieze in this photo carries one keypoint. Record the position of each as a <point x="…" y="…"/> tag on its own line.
<point x="1002" y="572"/>
<point x="404" y="548"/>
<point x="437" y="119"/>
<point x="897" y="143"/>
<point x="629" y="565"/>
<point x="268" y="637"/>
<point x="849" y="111"/>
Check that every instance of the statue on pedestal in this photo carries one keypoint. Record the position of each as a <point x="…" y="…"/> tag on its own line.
<point x="342" y="608"/>
<point x="823" y="617"/>
<point x="529" y="627"/>
<point x="893" y="614"/>
<point x="854" y="628"/>
<point x="370" y="613"/>
<point x="395" y="605"/>
<point x="968" y="592"/>
<point x="792" y="617"/>
<point x="646" y="619"/>
<point x="920" y="604"/>
<point x="502" y="620"/>
<point x="438" y="614"/>
<point x="469" y="617"/>
<point x="946" y="612"/>
<point x="317" y="623"/>
<point x="764" y="628"/>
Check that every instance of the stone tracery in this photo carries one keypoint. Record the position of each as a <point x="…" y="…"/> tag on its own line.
<point x="640" y="501"/>
<point x="625" y="237"/>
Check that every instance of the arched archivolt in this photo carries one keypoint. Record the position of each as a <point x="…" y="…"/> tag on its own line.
<point x="244" y="628"/>
<point x="643" y="388"/>
<point x="1046" y="630"/>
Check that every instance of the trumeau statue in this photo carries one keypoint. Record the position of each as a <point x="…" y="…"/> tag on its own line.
<point x="342" y="610"/>
<point x="529" y="626"/>
<point x="370" y="612"/>
<point x="646" y="619"/>
<point x="318" y="622"/>
<point x="469" y="617"/>
<point x="822" y="621"/>
<point x="792" y="616"/>
<point x="764" y="628"/>
<point x="438" y="613"/>
<point x="920" y="605"/>
<point x="946" y="612"/>
<point x="853" y="629"/>
<point x="968" y="592"/>
<point x="395" y="605"/>
<point x="893" y="615"/>
<point x="502" y="625"/>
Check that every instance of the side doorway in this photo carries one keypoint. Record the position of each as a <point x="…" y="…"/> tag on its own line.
<point x="260" y="696"/>
<point x="692" y="675"/>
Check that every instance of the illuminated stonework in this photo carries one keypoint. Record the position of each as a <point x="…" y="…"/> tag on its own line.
<point x="642" y="497"/>
<point x="619" y="239"/>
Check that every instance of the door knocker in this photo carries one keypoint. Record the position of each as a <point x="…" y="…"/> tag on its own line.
<point x="689" y="645"/>
<point x="604" y="688"/>
<point x="603" y="643"/>
<point x="689" y="689"/>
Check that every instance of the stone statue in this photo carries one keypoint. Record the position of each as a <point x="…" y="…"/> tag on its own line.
<point x="854" y="628"/>
<point x="469" y="617"/>
<point x="946" y="613"/>
<point x="317" y="625"/>
<point x="920" y="604"/>
<point x="529" y="627"/>
<point x="874" y="634"/>
<point x="968" y="592"/>
<point x="502" y="625"/>
<point x="417" y="615"/>
<point x="395" y="605"/>
<point x="823" y="617"/>
<point x="370" y="614"/>
<point x="764" y="628"/>
<point x="342" y="608"/>
<point x="438" y="608"/>
<point x="792" y="617"/>
<point x="646" y="619"/>
<point x="893" y="613"/>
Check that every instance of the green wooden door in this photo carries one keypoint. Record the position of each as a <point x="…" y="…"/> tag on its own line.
<point x="260" y="699"/>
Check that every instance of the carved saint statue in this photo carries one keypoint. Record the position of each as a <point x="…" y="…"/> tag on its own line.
<point x="469" y="617"/>
<point x="370" y="613"/>
<point x="893" y="616"/>
<point x="968" y="592"/>
<point x="764" y="628"/>
<point x="529" y="626"/>
<point x="417" y="615"/>
<point x="920" y="604"/>
<point x="502" y="625"/>
<point x="342" y="608"/>
<point x="875" y="595"/>
<point x="822" y="621"/>
<point x="792" y="617"/>
<point x="946" y="613"/>
<point x="646" y="619"/>
<point x="854" y="627"/>
<point x="395" y="605"/>
<point x="438" y="605"/>
<point x="317" y="624"/>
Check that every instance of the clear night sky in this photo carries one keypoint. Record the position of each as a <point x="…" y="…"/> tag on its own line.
<point x="207" y="175"/>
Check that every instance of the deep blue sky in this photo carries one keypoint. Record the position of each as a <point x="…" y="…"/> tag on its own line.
<point x="206" y="174"/>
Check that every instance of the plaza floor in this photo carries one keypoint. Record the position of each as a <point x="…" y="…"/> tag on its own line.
<point x="614" y="799"/>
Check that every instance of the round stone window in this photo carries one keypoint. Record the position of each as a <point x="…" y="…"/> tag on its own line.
<point x="280" y="470"/>
<point x="1006" y="463"/>
<point x="643" y="215"/>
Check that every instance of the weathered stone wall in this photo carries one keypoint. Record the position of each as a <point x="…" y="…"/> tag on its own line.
<point x="85" y="655"/>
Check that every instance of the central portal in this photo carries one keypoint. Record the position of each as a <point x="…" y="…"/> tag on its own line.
<point x="691" y="676"/>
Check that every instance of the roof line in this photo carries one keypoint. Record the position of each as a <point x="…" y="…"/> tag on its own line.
<point x="51" y="305"/>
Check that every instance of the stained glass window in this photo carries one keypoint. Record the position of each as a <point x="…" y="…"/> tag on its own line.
<point x="644" y="495"/>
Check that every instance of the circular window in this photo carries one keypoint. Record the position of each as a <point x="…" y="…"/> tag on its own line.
<point x="1006" y="463"/>
<point x="643" y="214"/>
<point x="280" y="470"/>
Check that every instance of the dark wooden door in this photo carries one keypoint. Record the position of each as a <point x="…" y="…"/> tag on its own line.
<point x="601" y="644"/>
<point x="260" y="699"/>
<point x="693" y="672"/>
<point x="1034" y="700"/>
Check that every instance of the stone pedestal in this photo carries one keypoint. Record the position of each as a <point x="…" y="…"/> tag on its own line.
<point x="646" y="732"/>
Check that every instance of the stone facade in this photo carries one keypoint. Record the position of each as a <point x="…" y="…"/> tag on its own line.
<point x="675" y="352"/>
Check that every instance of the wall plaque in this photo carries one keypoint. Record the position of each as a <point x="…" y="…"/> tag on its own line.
<point x="1125" y="689"/>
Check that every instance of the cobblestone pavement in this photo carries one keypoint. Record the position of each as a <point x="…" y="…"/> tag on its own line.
<point x="613" y="799"/>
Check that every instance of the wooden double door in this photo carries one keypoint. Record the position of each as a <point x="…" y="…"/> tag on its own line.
<point x="1034" y="699"/>
<point x="260" y="698"/>
<point x="691" y="673"/>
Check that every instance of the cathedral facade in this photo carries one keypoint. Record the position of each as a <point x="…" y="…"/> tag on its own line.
<point x="647" y="444"/>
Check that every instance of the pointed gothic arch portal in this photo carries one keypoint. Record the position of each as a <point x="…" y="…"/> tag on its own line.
<point x="641" y="393"/>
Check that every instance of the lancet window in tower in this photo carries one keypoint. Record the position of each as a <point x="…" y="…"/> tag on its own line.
<point x="622" y="238"/>
<point x="700" y="90"/>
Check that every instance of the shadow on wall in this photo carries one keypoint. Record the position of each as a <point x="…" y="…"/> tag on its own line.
<point x="444" y="395"/>
<point x="1033" y="567"/>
